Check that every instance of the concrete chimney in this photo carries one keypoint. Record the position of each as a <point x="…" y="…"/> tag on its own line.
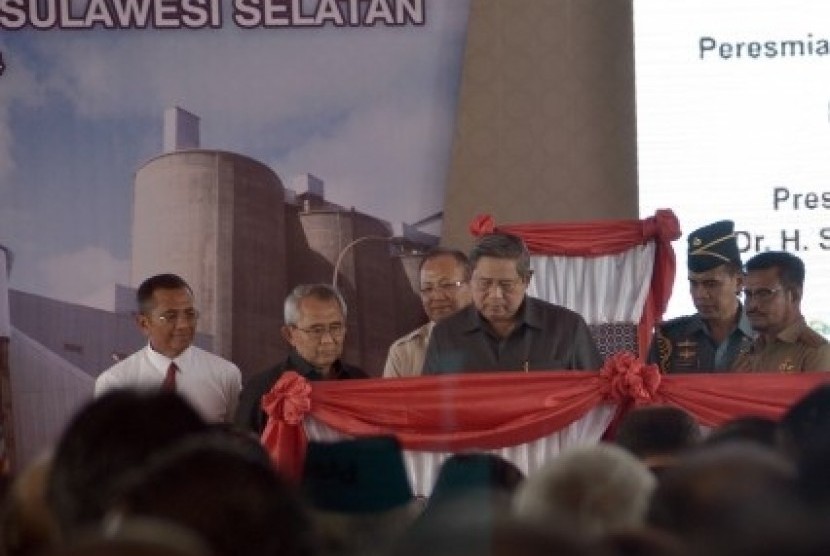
<point x="181" y="130"/>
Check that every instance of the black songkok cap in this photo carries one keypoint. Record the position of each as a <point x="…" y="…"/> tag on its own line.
<point x="712" y="246"/>
<point x="356" y="475"/>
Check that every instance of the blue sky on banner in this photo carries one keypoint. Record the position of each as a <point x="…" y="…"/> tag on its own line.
<point x="370" y="110"/>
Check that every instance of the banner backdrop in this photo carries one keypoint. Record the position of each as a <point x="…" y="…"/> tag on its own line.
<point x="732" y="123"/>
<point x="248" y="145"/>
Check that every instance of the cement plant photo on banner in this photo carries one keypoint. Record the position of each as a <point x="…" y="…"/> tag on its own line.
<point x="246" y="145"/>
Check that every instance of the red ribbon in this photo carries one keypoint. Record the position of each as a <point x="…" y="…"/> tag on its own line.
<point x="663" y="225"/>
<point x="289" y="399"/>
<point x="624" y="377"/>
<point x="482" y="224"/>
<point x="286" y="404"/>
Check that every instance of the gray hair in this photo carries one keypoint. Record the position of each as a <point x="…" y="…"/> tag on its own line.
<point x="503" y="246"/>
<point x="590" y="489"/>
<point x="322" y="292"/>
<point x="460" y="259"/>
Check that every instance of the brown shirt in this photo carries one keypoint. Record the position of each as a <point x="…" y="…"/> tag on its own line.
<point x="796" y="349"/>
<point x="406" y="355"/>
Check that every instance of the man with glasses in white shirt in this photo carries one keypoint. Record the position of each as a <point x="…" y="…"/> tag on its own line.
<point x="505" y="329"/>
<point x="773" y="289"/>
<point x="315" y="327"/>
<point x="167" y="317"/>
<point x="445" y="289"/>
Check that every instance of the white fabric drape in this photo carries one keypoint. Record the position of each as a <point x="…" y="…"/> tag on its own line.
<point x="422" y="467"/>
<point x="605" y="289"/>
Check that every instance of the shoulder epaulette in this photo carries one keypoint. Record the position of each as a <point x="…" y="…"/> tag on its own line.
<point x="811" y="338"/>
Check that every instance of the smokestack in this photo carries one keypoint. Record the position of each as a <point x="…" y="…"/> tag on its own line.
<point x="181" y="130"/>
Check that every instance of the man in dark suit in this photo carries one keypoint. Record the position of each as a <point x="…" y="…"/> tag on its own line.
<point x="505" y="329"/>
<point x="315" y="327"/>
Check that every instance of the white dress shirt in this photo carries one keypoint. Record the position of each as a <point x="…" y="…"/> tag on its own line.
<point x="211" y="384"/>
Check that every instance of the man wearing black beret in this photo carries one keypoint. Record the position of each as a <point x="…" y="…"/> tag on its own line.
<point x="711" y="339"/>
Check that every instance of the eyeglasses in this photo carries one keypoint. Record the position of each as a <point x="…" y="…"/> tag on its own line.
<point x="172" y="317"/>
<point x="336" y="330"/>
<point x="443" y="287"/>
<point x="761" y="295"/>
<point x="506" y="286"/>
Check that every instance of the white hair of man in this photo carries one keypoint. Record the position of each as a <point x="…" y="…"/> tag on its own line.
<point x="591" y="490"/>
<point x="322" y="292"/>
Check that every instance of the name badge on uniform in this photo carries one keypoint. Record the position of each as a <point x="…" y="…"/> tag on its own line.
<point x="787" y="366"/>
<point x="686" y="354"/>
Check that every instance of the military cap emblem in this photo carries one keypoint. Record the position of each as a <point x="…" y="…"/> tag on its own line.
<point x="712" y="246"/>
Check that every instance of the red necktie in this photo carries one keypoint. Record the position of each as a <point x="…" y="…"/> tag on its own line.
<point x="169" y="384"/>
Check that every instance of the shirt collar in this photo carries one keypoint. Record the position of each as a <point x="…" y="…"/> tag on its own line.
<point x="698" y="324"/>
<point x="422" y="332"/>
<point x="744" y="326"/>
<point x="161" y="362"/>
<point x="529" y="314"/>
<point x="791" y="333"/>
<point x="309" y="371"/>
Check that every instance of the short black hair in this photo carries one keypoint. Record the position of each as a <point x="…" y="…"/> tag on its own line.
<point x="227" y="491"/>
<point x="733" y="268"/>
<point x="806" y="424"/>
<point x="144" y="294"/>
<point x="790" y="268"/>
<point x="109" y="437"/>
<point x="460" y="258"/>
<point x="657" y="430"/>
<point x="503" y="246"/>
<point x="748" y="428"/>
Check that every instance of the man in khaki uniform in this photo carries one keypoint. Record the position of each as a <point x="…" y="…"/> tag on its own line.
<point x="445" y="288"/>
<point x="773" y="289"/>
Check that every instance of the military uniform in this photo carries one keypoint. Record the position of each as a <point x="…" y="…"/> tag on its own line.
<point x="684" y="345"/>
<point x="795" y="349"/>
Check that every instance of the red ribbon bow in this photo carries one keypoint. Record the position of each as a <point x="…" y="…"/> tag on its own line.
<point x="289" y="399"/>
<point x="625" y="377"/>
<point x="482" y="224"/>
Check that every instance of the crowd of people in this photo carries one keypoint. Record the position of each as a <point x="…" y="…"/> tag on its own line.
<point x="142" y="473"/>
<point x="166" y="459"/>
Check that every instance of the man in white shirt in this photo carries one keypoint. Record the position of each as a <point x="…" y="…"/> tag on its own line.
<point x="445" y="288"/>
<point x="169" y="361"/>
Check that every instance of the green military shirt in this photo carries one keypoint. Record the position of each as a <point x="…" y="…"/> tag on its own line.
<point x="684" y="345"/>
<point x="796" y="349"/>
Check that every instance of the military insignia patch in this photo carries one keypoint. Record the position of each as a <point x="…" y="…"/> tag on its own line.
<point x="685" y="356"/>
<point x="787" y="366"/>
